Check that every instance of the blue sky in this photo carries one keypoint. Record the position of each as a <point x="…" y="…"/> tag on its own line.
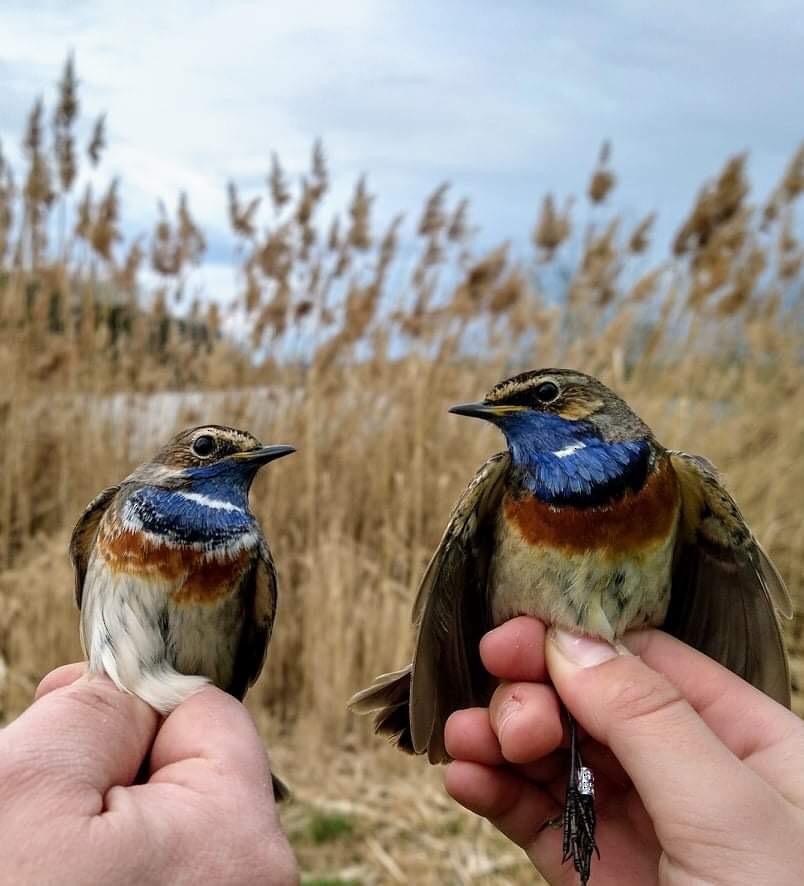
<point x="506" y="100"/>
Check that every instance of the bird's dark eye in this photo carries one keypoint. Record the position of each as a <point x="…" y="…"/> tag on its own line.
<point x="204" y="446"/>
<point x="546" y="392"/>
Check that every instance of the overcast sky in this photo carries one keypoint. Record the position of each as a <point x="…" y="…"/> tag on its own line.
<point x="507" y="100"/>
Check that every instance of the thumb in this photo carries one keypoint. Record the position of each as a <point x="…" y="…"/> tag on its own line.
<point x="76" y="742"/>
<point x="672" y="757"/>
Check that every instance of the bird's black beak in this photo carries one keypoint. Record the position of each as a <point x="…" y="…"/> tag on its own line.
<point x="264" y="455"/>
<point x="486" y="411"/>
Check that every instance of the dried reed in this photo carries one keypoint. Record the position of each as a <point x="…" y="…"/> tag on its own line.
<point x="340" y="345"/>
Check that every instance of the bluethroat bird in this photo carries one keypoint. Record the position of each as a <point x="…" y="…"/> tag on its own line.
<point x="589" y="523"/>
<point x="173" y="575"/>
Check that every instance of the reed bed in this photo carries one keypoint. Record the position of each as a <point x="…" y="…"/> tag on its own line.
<point x="340" y="344"/>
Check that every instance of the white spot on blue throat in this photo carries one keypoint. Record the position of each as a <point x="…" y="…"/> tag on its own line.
<point x="567" y="462"/>
<point x="208" y="502"/>
<point x="189" y="518"/>
<point x="569" y="450"/>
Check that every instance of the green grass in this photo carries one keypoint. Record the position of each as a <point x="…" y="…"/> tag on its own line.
<point x="325" y="828"/>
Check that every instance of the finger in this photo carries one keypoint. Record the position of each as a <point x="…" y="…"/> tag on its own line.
<point x="78" y="741"/>
<point x="209" y="797"/>
<point x="526" y="719"/>
<point x="668" y="751"/>
<point x="519" y="808"/>
<point x="551" y="770"/>
<point x="745" y="719"/>
<point x="468" y="736"/>
<point x="546" y="770"/>
<point x="63" y="676"/>
<point x="210" y="736"/>
<point x="515" y="650"/>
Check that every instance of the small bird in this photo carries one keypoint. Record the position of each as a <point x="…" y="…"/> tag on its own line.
<point x="173" y="575"/>
<point x="589" y="523"/>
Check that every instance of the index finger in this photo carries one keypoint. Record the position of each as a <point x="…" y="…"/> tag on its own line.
<point x="61" y="676"/>
<point x="514" y="651"/>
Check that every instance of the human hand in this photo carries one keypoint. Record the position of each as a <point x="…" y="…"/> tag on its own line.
<point x="698" y="776"/>
<point x="70" y="813"/>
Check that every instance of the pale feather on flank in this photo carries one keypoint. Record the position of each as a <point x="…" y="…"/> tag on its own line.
<point x="121" y="636"/>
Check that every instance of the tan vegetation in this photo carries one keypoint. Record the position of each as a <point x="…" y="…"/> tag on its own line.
<point x="337" y="344"/>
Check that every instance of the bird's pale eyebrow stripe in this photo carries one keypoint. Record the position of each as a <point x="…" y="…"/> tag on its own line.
<point x="568" y="450"/>
<point x="207" y="502"/>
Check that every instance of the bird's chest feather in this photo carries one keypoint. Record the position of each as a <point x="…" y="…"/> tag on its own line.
<point x="163" y="585"/>
<point x="601" y="569"/>
<point x="194" y="547"/>
<point x="132" y="622"/>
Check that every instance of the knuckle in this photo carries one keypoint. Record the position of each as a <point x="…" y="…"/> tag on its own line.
<point x="506" y="706"/>
<point x="526" y="721"/>
<point x="97" y="696"/>
<point x="642" y="696"/>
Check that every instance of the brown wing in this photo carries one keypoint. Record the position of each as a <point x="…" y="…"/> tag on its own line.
<point x="259" y="592"/>
<point x="259" y="601"/>
<point x="727" y="596"/>
<point x="452" y="612"/>
<point x="83" y="537"/>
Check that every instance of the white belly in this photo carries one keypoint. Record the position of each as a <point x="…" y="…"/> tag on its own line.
<point x="595" y="592"/>
<point x="149" y="645"/>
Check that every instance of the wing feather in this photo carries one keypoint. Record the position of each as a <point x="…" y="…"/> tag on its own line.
<point x="259" y="593"/>
<point x="84" y="534"/>
<point x="727" y="595"/>
<point x="452" y="613"/>
<point x="259" y="590"/>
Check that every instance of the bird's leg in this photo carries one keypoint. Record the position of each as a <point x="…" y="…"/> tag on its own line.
<point x="579" y="811"/>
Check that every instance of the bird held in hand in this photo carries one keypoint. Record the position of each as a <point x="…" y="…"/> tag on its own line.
<point x="589" y="523"/>
<point x="173" y="575"/>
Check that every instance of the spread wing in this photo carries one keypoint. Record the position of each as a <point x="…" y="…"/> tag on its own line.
<point x="259" y="594"/>
<point x="83" y="537"/>
<point x="727" y="596"/>
<point x="452" y="613"/>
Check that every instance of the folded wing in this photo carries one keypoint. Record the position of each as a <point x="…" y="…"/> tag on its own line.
<point x="258" y="593"/>
<point x="83" y="537"/>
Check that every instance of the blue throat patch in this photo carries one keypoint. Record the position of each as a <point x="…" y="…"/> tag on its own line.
<point x="211" y="509"/>
<point x="566" y="463"/>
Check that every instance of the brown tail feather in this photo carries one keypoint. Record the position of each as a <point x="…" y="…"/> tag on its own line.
<point x="388" y="698"/>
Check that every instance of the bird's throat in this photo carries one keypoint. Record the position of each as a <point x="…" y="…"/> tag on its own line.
<point x="202" y="515"/>
<point x="583" y="472"/>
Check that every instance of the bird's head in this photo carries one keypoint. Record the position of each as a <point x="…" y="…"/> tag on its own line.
<point x="565" y="426"/>
<point x="209" y="456"/>
<point x="543" y="404"/>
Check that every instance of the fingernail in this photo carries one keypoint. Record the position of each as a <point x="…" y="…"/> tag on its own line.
<point x="582" y="651"/>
